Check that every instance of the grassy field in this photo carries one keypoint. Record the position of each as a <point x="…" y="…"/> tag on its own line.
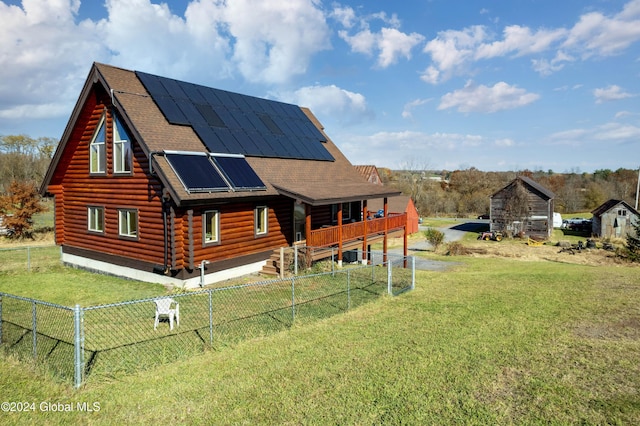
<point x="493" y="341"/>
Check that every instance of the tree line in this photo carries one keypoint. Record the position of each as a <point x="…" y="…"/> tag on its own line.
<point x="24" y="159"/>
<point x="23" y="164"/>
<point x="467" y="192"/>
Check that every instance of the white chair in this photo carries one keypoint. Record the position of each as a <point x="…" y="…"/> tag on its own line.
<point x="164" y="308"/>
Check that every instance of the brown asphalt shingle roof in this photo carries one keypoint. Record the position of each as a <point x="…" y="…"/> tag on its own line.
<point x="312" y="181"/>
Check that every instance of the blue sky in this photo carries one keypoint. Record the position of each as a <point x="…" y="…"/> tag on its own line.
<point x="501" y="85"/>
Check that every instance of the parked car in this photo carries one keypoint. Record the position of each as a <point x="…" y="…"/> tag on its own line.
<point x="483" y="216"/>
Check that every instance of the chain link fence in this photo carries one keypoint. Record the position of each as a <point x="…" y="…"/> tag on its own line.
<point x="110" y="340"/>
<point x="29" y="258"/>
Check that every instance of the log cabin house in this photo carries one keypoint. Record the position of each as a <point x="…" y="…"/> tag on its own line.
<point x="171" y="182"/>
<point x="523" y="207"/>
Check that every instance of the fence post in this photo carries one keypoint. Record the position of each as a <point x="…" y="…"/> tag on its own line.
<point x="295" y="260"/>
<point x="210" y="319"/>
<point x="413" y="272"/>
<point x="0" y="319"/>
<point x="34" y="331"/>
<point x="293" y="300"/>
<point x="78" y="343"/>
<point x="389" y="277"/>
<point x="348" y="289"/>
<point x="28" y="259"/>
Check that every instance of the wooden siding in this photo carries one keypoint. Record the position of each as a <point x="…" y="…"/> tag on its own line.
<point x="237" y="230"/>
<point x="75" y="189"/>
<point x="539" y="221"/>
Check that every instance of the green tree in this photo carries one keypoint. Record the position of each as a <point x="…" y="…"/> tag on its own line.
<point x="17" y="208"/>
<point x="633" y="243"/>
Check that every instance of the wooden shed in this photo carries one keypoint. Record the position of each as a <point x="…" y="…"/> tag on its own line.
<point x="613" y="219"/>
<point x="524" y="208"/>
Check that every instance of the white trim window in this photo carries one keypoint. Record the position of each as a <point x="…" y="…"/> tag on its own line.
<point x="95" y="219"/>
<point x="261" y="220"/>
<point x="97" y="149"/>
<point x="128" y="223"/>
<point x="211" y="227"/>
<point x="121" y="148"/>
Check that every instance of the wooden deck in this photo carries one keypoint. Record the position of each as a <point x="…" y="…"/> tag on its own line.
<point x="349" y="233"/>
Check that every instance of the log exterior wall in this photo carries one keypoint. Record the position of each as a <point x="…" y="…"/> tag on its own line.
<point x="75" y="189"/>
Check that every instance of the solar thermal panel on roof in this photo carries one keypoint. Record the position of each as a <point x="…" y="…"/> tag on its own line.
<point x="239" y="172"/>
<point x="197" y="173"/>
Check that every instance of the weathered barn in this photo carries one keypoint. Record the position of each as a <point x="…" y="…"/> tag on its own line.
<point x="155" y="178"/>
<point x="613" y="219"/>
<point x="523" y="207"/>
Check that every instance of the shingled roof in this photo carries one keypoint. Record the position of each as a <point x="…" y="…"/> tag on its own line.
<point x="325" y="179"/>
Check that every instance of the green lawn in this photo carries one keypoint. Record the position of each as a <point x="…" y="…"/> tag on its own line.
<point x="490" y="342"/>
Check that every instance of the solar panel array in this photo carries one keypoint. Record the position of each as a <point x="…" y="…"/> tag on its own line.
<point x="204" y="173"/>
<point x="232" y="123"/>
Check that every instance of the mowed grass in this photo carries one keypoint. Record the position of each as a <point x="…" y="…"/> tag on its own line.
<point x="490" y="342"/>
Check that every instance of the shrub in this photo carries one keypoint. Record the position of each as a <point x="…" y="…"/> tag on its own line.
<point x="456" y="248"/>
<point x="434" y="237"/>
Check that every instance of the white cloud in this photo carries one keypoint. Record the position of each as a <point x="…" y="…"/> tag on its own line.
<point x="610" y="93"/>
<point x="331" y="101"/>
<point x="389" y="43"/>
<point x="408" y="108"/>
<point x="519" y="41"/>
<point x="274" y="40"/>
<point x="453" y="52"/>
<point x="45" y="52"/>
<point x="473" y="98"/>
<point x="597" y="34"/>
<point x="345" y="15"/>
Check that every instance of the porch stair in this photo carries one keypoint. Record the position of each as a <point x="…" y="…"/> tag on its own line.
<point x="273" y="267"/>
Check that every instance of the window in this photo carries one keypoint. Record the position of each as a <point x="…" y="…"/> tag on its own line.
<point x="211" y="227"/>
<point x="128" y="223"/>
<point x="95" y="219"/>
<point x="261" y="219"/>
<point x="346" y="212"/>
<point x="97" y="152"/>
<point x="622" y="212"/>
<point x="121" y="148"/>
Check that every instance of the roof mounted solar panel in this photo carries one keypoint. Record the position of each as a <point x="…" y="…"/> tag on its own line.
<point x="237" y="124"/>
<point x="196" y="172"/>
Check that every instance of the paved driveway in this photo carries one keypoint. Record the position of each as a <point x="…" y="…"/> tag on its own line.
<point x="452" y="233"/>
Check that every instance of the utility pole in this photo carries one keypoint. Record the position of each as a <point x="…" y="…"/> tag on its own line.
<point x="637" y="189"/>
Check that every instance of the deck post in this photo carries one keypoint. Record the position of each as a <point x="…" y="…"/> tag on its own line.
<point x="340" y="235"/>
<point x="365" y="218"/>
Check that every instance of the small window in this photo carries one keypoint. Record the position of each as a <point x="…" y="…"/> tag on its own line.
<point x="95" y="219"/>
<point x="128" y="223"/>
<point x="121" y="148"/>
<point x="97" y="150"/>
<point x="622" y="212"/>
<point x="261" y="220"/>
<point x="211" y="227"/>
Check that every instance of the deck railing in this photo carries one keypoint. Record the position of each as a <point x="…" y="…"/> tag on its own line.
<point x="330" y="235"/>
